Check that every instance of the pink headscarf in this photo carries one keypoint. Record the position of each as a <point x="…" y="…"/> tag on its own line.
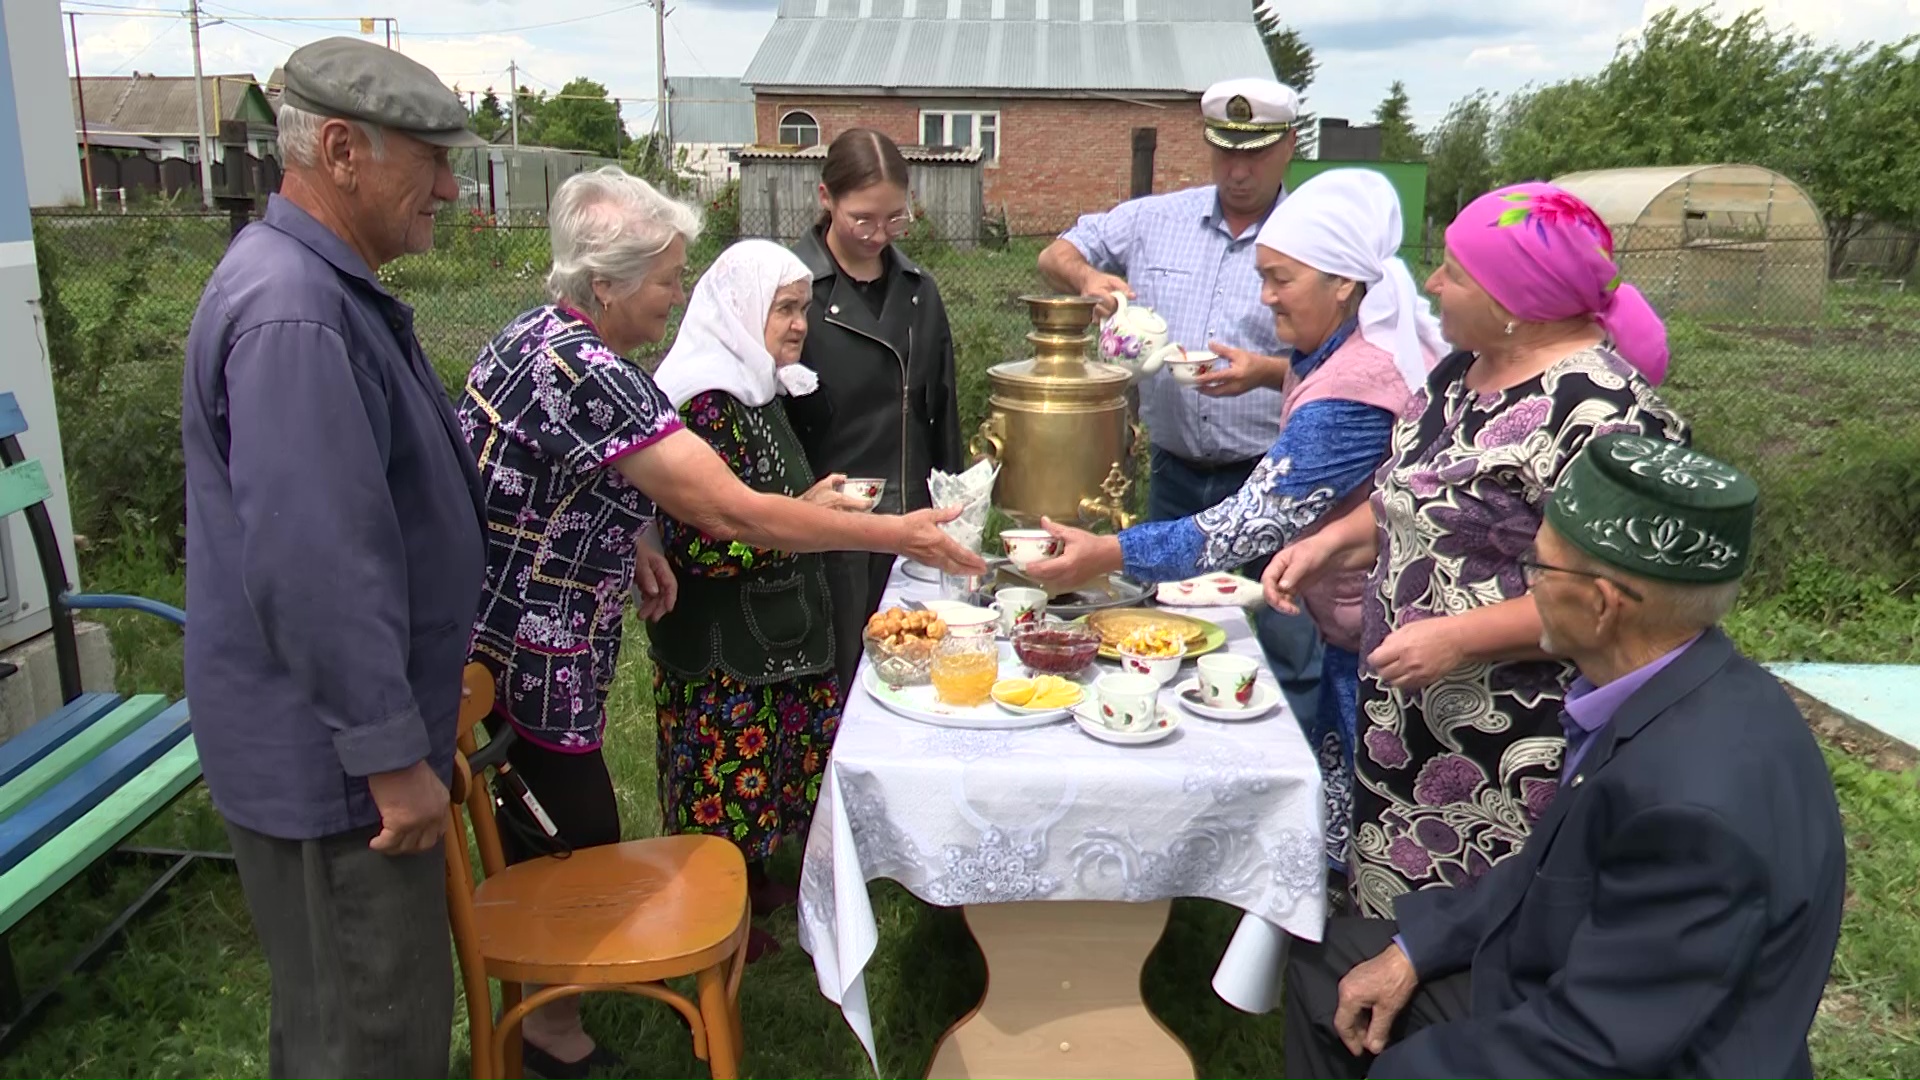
<point x="1545" y="256"/>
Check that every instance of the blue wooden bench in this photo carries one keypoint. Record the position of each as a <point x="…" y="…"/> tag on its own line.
<point x="78" y="782"/>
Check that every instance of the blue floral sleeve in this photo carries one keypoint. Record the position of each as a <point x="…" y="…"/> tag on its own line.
<point x="1327" y="449"/>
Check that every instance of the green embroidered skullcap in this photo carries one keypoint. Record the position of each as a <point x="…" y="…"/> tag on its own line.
<point x="1656" y="509"/>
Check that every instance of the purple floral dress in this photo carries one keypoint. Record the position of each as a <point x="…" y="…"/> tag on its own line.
<point x="1450" y="779"/>
<point x="548" y="408"/>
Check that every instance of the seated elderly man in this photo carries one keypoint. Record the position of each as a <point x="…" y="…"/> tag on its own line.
<point x="1675" y="910"/>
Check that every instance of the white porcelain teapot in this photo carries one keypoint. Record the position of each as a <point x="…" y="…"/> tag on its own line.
<point x="1135" y="338"/>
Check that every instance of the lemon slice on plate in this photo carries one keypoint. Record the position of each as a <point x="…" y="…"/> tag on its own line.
<point x="1016" y="692"/>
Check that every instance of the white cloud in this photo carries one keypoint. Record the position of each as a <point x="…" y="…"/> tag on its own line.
<point x="1518" y="56"/>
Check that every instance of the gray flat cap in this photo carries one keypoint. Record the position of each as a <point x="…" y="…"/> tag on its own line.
<point x="350" y="79"/>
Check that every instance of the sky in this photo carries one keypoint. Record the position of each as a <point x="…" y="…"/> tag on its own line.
<point x="1442" y="51"/>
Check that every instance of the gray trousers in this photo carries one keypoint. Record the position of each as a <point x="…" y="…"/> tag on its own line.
<point x="359" y="949"/>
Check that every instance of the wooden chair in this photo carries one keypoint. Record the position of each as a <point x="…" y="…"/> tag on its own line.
<point x="623" y="917"/>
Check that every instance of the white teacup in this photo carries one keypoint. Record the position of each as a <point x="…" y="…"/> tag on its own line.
<point x="1226" y="681"/>
<point x="1126" y="702"/>
<point x="1028" y="546"/>
<point x="1019" y="607"/>
<point x="1187" y="365"/>
<point x="866" y="489"/>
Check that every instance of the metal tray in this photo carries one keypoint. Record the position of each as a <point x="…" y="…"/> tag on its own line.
<point x="1116" y="590"/>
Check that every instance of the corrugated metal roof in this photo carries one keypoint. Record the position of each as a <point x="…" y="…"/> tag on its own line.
<point x="159" y="104"/>
<point x="936" y="154"/>
<point x="1009" y="45"/>
<point x="709" y="109"/>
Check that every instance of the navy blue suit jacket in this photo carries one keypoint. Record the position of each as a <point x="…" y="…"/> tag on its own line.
<point x="1675" y="911"/>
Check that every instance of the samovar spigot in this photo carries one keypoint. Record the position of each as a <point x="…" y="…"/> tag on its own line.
<point x="1113" y="506"/>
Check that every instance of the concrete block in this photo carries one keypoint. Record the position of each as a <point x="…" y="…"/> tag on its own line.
<point x="34" y="691"/>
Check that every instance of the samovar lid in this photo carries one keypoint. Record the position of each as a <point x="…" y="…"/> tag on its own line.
<point x="1084" y="375"/>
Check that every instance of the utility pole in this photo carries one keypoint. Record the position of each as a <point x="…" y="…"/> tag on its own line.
<point x="200" y="107"/>
<point x="513" y="76"/>
<point x="80" y="97"/>
<point x="664" y="140"/>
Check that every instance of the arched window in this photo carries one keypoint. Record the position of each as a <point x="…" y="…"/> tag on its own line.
<point x="799" y="129"/>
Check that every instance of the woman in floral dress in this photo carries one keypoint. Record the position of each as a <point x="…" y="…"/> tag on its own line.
<point x="743" y="682"/>
<point x="1459" y="730"/>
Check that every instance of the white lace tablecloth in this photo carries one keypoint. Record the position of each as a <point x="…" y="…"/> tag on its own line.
<point x="1230" y="811"/>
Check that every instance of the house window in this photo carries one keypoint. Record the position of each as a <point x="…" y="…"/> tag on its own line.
<point x="190" y="149"/>
<point x="980" y="130"/>
<point x="799" y="129"/>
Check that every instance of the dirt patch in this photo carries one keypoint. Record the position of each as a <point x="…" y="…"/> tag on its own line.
<point x="1879" y="333"/>
<point x="1854" y="737"/>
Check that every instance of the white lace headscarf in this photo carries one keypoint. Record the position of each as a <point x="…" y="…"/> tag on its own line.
<point x="1346" y="222"/>
<point x="722" y="343"/>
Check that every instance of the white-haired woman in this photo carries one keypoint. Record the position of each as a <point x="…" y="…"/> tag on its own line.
<point x="1363" y="341"/>
<point x="576" y="446"/>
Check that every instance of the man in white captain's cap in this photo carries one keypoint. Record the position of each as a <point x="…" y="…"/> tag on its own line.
<point x="1188" y="254"/>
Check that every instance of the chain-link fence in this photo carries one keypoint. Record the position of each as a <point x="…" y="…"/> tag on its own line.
<point x="1810" y="383"/>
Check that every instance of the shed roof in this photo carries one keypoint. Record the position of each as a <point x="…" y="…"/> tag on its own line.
<point x="161" y="104"/>
<point x="879" y="46"/>
<point x="709" y="109"/>
<point x="1622" y="196"/>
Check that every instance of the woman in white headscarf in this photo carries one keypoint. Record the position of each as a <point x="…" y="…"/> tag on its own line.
<point x="743" y="683"/>
<point x="1364" y="340"/>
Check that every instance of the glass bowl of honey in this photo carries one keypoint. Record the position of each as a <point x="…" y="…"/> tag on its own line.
<point x="965" y="668"/>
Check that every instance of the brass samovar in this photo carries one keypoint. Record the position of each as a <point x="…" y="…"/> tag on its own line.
<point x="1057" y="424"/>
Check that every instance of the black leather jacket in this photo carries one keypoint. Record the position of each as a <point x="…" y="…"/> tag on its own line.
<point x="887" y="405"/>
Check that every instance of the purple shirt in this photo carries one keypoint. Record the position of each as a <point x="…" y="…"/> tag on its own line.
<point x="1588" y="708"/>
<point x="334" y="549"/>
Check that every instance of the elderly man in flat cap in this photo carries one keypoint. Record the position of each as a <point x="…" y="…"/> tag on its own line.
<point x="1676" y="907"/>
<point x="334" y="563"/>
<point x="1189" y="255"/>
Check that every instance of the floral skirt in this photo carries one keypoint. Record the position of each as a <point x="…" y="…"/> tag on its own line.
<point x="739" y="761"/>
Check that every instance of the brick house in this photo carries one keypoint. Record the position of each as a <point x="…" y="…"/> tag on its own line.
<point x="1075" y="104"/>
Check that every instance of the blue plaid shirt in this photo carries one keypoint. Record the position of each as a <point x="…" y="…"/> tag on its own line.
<point x="1176" y="252"/>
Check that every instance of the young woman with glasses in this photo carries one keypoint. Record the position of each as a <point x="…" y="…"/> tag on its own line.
<point x="879" y="339"/>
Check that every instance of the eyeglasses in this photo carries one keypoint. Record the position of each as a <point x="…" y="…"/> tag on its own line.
<point x="896" y="226"/>
<point x="1532" y="568"/>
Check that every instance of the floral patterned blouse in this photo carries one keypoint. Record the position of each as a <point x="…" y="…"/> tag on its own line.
<point x="548" y="407"/>
<point x="1449" y="779"/>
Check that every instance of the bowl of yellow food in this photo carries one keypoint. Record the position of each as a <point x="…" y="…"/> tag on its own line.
<point x="1041" y="694"/>
<point x="1153" y="651"/>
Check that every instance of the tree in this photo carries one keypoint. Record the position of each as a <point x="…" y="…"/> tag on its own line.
<point x="1398" y="139"/>
<point x="580" y="117"/>
<point x="488" y="119"/>
<point x="1861" y="159"/>
<point x="1548" y="131"/>
<point x="1293" y="64"/>
<point x="528" y="105"/>
<point x="1460" y="156"/>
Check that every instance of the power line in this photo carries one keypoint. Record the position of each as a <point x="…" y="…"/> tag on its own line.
<point x="151" y="42"/>
<point x="224" y="21"/>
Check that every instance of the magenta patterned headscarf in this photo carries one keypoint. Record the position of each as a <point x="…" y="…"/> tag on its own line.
<point x="1545" y="256"/>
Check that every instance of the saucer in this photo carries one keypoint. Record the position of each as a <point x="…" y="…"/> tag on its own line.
<point x="1168" y="723"/>
<point x="1265" y="697"/>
